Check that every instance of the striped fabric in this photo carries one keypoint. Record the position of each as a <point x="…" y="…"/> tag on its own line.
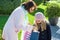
<point x="27" y="35"/>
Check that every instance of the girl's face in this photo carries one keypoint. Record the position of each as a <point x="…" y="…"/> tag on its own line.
<point x="31" y="9"/>
<point x="38" y="21"/>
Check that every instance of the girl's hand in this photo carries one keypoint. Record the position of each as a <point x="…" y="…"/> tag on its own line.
<point x="3" y="36"/>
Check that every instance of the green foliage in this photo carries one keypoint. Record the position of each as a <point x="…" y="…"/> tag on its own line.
<point x="53" y="10"/>
<point x="53" y="0"/>
<point x="38" y="1"/>
<point x="3" y="19"/>
<point x="38" y="10"/>
<point x="7" y="6"/>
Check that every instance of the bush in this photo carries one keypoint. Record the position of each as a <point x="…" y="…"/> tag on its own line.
<point x="38" y="1"/>
<point x="53" y="10"/>
<point x="38" y="10"/>
<point x="7" y="6"/>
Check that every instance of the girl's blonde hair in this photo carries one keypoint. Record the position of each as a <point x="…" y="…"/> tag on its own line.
<point x="41" y="26"/>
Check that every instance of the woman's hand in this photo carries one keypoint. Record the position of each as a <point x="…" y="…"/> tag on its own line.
<point x="16" y="30"/>
<point x="3" y="37"/>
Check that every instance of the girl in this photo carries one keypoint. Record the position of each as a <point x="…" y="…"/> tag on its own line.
<point x="41" y="28"/>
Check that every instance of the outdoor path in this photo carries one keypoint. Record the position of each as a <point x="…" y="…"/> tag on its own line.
<point x="55" y="31"/>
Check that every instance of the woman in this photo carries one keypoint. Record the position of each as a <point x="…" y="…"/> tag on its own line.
<point x="41" y="29"/>
<point x="17" y="21"/>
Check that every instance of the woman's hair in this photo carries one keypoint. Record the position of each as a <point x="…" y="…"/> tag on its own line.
<point x="29" y="4"/>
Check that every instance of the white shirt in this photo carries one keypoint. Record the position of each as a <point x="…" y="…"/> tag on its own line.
<point x="16" y="20"/>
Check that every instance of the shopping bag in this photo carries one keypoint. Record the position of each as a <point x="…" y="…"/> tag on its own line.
<point x="34" y="36"/>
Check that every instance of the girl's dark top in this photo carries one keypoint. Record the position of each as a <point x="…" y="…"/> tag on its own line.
<point x="46" y="34"/>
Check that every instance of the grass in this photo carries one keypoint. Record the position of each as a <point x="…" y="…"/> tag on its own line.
<point x="2" y="22"/>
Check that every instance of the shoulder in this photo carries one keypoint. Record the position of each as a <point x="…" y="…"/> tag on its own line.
<point x="48" y="25"/>
<point x="17" y="9"/>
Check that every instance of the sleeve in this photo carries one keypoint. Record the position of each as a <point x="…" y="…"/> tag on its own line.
<point x="19" y="19"/>
<point x="49" y="32"/>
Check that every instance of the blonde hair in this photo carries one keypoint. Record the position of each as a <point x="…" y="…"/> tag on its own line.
<point x="42" y="27"/>
<point x="39" y="16"/>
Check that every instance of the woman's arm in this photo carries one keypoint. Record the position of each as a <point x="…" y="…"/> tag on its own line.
<point x="18" y="19"/>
